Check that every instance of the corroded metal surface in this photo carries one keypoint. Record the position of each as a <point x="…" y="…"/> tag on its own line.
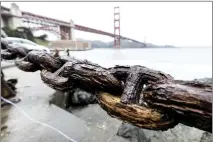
<point x="168" y="101"/>
<point x="190" y="102"/>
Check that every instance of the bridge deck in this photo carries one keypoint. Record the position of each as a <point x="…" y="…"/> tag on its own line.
<point x="29" y="15"/>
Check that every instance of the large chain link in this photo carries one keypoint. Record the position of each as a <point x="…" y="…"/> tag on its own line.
<point x="118" y="89"/>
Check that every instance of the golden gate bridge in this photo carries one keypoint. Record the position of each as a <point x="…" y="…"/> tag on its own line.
<point x="61" y="28"/>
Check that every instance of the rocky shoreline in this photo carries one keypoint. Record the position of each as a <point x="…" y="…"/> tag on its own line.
<point x="82" y="104"/>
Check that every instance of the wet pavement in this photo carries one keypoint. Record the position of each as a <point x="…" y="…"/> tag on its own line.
<point x="7" y="64"/>
<point x="34" y="97"/>
<point x="85" y="124"/>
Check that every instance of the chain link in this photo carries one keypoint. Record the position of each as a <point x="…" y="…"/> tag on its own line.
<point x="127" y="82"/>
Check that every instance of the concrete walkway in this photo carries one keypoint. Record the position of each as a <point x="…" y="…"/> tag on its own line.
<point x="7" y="64"/>
<point x="34" y="97"/>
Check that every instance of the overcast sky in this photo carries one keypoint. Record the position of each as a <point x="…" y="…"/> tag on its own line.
<point x="163" y="23"/>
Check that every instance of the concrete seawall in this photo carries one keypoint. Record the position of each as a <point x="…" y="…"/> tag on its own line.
<point x="69" y="44"/>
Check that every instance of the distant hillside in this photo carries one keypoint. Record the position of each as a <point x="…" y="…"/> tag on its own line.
<point x="124" y="44"/>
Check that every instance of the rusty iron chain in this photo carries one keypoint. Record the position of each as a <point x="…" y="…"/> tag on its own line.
<point x="65" y="73"/>
<point x="57" y="71"/>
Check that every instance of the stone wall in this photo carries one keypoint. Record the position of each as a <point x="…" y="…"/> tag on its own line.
<point x="69" y="44"/>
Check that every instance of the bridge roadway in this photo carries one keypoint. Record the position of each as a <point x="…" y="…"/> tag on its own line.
<point x="28" y="15"/>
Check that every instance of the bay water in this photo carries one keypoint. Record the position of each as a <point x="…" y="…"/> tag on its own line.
<point x="181" y="63"/>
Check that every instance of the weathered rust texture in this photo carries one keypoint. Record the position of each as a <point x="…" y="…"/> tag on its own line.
<point x="25" y="65"/>
<point x="140" y="116"/>
<point x="190" y="102"/>
<point x="44" y="60"/>
<point x="168" y="101"/>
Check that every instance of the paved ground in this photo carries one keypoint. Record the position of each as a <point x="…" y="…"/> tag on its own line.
<point x="7" y="64"/>
<point x="34" y="97"/>
<point x="90" y="124"/>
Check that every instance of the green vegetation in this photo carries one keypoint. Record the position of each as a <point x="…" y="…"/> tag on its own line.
<point x="41" y="42"/>
<point x="26" y="33"/>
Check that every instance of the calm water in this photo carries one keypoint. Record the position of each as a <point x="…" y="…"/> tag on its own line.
<point x="181" y="63"/>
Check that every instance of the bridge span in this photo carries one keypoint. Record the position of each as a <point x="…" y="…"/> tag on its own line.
<point x="14" y="17"/>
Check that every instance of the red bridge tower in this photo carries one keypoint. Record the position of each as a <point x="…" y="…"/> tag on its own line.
<point x="116" y="27"/>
